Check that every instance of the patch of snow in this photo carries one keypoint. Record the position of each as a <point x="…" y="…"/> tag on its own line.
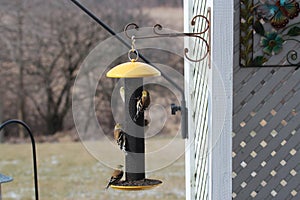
<point x="11" y="195"/>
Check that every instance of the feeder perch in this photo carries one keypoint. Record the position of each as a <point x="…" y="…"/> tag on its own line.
<point x="144" y="184"/>
<point x="4" y="179"/>
<point x="133" y="73"/>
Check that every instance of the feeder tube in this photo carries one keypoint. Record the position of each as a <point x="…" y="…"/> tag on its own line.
<point x="135" y="157"/>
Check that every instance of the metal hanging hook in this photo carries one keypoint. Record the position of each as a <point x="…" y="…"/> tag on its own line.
<point x="133" y="42"/>
<point x="133" y="50"/>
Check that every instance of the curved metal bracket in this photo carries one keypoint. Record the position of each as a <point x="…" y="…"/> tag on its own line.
<point x="157" y="33"/>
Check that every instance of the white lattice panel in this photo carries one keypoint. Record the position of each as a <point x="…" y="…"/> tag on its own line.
<point x="266" y="122"/>
<point x="198" y="106"/>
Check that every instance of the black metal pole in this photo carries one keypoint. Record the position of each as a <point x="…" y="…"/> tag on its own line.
<point x="135" y="157"/>
<point x="15" y="121"/>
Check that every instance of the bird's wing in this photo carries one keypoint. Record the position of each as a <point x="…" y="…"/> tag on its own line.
<point x="120" y="136"/>
<point x="117" y="173"/>
<point x="139" y="105"/>
<point x="116" y="177"/>
<point x="124" y="142"/>
<point x="117" y="134"/>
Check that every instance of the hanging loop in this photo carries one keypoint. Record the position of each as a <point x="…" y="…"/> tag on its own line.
<point x="133" y="50"/>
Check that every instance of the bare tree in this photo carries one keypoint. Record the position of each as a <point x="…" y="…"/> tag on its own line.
<point x="13" y="31"/>
<point x="58" y="52"/>
<point x="45" y="43"/>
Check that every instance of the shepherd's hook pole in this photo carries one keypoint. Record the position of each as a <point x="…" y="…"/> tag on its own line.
<point x="15" y="121"/>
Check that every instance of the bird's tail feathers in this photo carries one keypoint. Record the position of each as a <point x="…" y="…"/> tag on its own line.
<point x="108" y="185"/>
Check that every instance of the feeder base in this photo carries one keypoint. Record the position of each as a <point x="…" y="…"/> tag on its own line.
<point x="144" y="184"/>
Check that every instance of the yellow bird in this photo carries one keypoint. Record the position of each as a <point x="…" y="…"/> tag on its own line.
<point x="116" y="176"/>
<point x="142" y="104"/>
<point x="120" y="136"/>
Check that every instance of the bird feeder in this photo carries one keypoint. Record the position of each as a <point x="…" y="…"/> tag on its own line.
<point x="4" y="179"/>
<point x="133" y="73"/>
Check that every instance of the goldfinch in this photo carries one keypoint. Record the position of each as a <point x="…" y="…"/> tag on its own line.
<point x="120" y="137"/>
<point x="142" y="104"/>
<point x="116" y="176"/>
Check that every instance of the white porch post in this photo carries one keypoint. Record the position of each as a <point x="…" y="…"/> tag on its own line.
<point x="221" y="100"/>
<point x="190" y="149"/>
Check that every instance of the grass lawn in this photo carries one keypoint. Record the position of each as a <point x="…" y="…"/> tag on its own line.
<point x="68" y="171"/>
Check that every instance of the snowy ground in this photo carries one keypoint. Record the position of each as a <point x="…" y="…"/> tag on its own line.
<point x="68" y="171"/>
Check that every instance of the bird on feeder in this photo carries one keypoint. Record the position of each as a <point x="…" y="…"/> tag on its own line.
<point x="142" y="104"/>
<point x="116" y="176"/>
<point x="120" y="137"/>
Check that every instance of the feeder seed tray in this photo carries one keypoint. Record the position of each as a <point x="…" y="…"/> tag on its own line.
<point x="144" y="184"/>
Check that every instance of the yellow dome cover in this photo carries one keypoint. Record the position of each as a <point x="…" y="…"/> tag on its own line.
<point x="132" y="70"/>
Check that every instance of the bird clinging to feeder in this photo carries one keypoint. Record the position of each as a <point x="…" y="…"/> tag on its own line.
<point x="142" y="104"/>
<point x="116" y="176"/>
<point x="120" y="136"/>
